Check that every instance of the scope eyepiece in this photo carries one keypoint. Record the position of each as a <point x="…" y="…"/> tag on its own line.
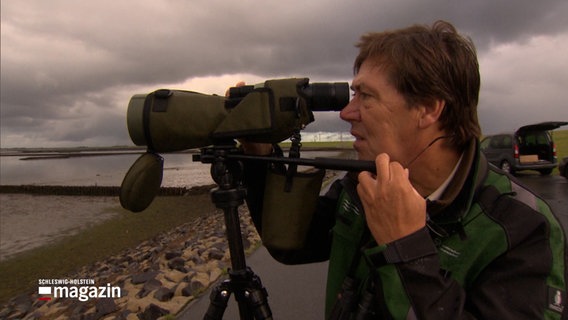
<point x="327" y="96"/>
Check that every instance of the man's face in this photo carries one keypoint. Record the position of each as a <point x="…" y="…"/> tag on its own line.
<point x="380" y="118"/>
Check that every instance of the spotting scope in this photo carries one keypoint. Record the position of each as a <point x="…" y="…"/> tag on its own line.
<point x="173" y="120"/>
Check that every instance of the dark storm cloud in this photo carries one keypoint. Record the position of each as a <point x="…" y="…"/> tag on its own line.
<point x="68" y="67"/>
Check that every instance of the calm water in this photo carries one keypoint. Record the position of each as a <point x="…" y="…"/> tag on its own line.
<point x="179" y="170"/>
<point x="109" y="170"/>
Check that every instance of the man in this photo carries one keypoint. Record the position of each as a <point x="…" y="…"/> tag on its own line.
<point x="436" y="233"/>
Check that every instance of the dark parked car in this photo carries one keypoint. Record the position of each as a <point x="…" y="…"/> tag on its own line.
<point x="563" y="168"/>
<point x="529" y="148"/>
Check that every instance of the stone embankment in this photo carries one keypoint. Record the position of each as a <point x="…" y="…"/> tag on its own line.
<point x="157" y="278"/>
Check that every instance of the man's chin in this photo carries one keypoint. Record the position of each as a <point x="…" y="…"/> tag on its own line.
<point x="363" y="154"/>
<point x="365" y="157"/>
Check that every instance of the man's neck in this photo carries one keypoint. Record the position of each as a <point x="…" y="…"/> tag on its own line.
<point x="433" y="167"/>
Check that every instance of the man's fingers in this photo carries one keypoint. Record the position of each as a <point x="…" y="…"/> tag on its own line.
<point x="239" y="84"/>
<point x="366" y="183"/>
<point x="382" y="162"/>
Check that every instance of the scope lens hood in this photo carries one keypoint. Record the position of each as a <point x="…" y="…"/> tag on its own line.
<point x="135" y="119"/>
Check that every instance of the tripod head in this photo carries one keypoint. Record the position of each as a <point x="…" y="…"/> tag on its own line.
<point x="225" y="170"/>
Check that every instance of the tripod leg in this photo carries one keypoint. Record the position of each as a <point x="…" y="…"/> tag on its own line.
<point x="218" y="301"/>
<point x="250" y="294"/>
<point x="257" y="299"/>
<point x="229" y="200"/>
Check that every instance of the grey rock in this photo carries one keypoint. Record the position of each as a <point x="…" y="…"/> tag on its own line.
<point x="177" y="264"/>
<point x="149" y="286"/>
<point x="172" y="254"/>
<point x="143" y="277"/>
<point x="187" y="291"/>
<point x="105" y="306"/>
<point x="152" y="312"/>
<point x="163" y="294"/>
<point x="216" y="254"/>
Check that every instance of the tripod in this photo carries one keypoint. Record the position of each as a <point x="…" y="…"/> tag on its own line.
<point x="229" y="195"/>
<point x="227" y="172"/>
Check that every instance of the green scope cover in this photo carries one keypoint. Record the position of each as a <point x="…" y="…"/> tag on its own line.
<point x="268" y="114"/>
<point x="172" y="120"/>
<point x="286" y="216"/>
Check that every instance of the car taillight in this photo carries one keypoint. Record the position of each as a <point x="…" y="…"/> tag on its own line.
<point x="554" y="150"/>
<point x="516" y="152"/>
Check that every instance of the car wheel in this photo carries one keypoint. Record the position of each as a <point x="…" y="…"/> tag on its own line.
<point x="545" y="172"/>
<point x="506" y="166"/>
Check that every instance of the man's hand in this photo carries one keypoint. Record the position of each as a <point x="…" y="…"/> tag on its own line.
<point x="256" y="148"/>
<point x="393" y="208"/>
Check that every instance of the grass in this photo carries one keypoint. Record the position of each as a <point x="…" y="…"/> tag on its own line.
<point x="560" y="137"/>
<point x="21" y="273"/>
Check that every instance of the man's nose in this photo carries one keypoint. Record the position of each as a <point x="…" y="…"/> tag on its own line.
<point x="350" y="112"/>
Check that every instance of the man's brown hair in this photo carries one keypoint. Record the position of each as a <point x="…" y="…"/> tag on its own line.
<point x="428" y="63"/>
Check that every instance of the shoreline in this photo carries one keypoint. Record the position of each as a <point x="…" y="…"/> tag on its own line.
<point x="161" y="274"/>
<point x="158" y="277"/>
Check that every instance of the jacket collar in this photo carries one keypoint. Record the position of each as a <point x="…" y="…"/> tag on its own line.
<point x="458" y="196"/>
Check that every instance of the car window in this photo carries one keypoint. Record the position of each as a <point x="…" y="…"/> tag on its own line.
<point x="495" y="142"/>
<point x="501" y="141"/>
<point x="542" y="138"/>
<point x="506" y="142"/>
<point x="535" y="138"/>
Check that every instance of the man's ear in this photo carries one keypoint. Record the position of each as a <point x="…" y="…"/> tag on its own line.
<point x="430" y="113"/>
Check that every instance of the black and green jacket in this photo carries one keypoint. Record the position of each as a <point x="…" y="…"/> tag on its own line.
<point x="491" y="250"/>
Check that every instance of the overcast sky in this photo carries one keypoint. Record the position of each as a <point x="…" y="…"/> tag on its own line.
<point x="69" y="68"/>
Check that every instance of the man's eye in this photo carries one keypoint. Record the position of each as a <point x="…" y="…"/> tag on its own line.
<point x="359" y="94"/>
